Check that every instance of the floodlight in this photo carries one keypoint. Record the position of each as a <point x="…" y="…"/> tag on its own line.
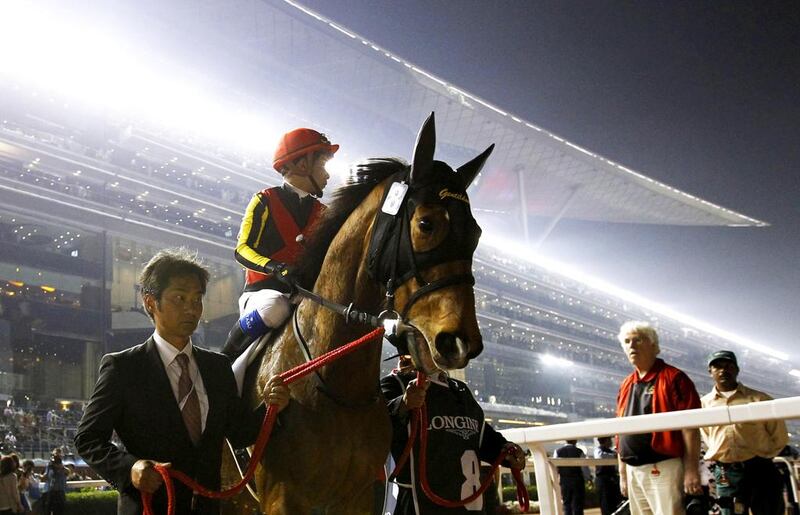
<point x="515" y="250"/>
<point x="73" y="59"/>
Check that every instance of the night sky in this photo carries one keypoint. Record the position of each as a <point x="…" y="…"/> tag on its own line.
<point x="703" y="96"/>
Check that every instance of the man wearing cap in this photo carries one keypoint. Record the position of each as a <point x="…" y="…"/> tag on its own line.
<point x="742" y="454"/>
<point x="656" y="469"/>
<point x="275" y="224"/>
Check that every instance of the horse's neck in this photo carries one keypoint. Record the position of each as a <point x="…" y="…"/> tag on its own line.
<point x="343" y="278"/>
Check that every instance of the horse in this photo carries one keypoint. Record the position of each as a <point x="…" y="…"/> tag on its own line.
<point x="395" y="236"/>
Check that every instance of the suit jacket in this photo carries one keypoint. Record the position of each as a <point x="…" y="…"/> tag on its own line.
<point x="571" y="451"/>
<point x="133" y="397"/>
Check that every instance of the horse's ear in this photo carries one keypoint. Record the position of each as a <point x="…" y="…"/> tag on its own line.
<point x="468" y="171"/>
<point x="423" y="150"/>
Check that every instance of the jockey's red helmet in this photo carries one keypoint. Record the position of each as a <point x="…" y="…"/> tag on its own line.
<point x="299" y="142"/>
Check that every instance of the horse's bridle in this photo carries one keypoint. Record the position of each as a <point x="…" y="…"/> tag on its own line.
<point x="391" y="259"/>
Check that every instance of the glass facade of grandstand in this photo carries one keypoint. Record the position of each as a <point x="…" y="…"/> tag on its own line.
<point x="83" y="207"/>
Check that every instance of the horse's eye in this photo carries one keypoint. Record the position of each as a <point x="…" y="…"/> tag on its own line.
<point x="426" y="225"/>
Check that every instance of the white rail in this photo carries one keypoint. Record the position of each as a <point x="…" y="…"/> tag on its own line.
<point x="545" y="470"/>
<point x="87" y="483"/>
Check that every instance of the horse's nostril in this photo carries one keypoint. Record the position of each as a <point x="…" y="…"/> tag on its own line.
<point x="477" y="348"/>
<point x="450" y="346"/>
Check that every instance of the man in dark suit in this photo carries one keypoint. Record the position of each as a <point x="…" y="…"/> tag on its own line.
<point x="607" y="477"/>
<point x="572" y="479"/>
<point x="168" y="401"/>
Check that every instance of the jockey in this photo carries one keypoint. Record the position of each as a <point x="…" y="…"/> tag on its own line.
<point x="275" y="224"/>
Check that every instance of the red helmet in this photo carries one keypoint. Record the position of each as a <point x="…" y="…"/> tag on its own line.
<point x="299" y="142"/>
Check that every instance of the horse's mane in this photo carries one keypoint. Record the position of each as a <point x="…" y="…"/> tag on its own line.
<point x="345" y="200"/>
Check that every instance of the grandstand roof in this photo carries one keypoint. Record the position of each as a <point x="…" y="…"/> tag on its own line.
<point x="362" y="91"/>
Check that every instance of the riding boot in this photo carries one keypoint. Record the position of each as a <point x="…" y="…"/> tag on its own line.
<point x="237" y="342"/>
<point x="249" y="328"/>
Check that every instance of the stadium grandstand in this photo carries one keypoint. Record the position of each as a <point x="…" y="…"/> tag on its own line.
<point x="89" y="192"/>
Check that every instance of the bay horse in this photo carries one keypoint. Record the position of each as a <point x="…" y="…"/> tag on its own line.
<point x="397" y="229"/>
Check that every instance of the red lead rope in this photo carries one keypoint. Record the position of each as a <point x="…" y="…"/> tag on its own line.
<point x="419" y="421"/>
<point x="288" y="377"/>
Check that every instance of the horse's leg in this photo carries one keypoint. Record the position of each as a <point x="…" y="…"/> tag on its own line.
<point x="367" y="502"/>
<point x="239" y="505"/>
<point x="280" y="501"/>
<point x="230" y="475"/>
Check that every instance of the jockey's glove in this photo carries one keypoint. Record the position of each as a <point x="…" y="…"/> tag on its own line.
<point x="282" y="272"/>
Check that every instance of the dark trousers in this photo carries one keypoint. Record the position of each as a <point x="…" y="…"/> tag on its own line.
<point x="608" y="491"/>
<point x="54" y="502"/>
<point x="573" y="491"/>
<point x="754" y="484"/>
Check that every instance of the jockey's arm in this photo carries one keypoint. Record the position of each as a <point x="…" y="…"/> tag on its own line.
<point x="251" y="232"/>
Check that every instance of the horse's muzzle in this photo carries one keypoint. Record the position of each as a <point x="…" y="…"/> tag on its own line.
<point x="452" y="350"/>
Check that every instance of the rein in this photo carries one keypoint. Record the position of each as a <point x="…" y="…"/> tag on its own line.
<point x="271" y="415"/>
<point x="348" y="312"/>
<point x="419" y="423"/>
<point x="322" y="387"/>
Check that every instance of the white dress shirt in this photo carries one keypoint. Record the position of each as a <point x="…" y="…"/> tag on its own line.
<point x="300" y="193"/>
<point x="168" y="354"/>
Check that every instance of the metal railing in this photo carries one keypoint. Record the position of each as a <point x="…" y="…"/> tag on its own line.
<point x="547" y="474"/>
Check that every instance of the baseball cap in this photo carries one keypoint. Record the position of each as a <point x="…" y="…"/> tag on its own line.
<point x="722" y="354"/>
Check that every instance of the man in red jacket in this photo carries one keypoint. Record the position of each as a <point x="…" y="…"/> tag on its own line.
<point x="656" y="469"/>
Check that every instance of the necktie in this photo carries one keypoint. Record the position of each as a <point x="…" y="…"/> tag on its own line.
<point x="188" y="397"/>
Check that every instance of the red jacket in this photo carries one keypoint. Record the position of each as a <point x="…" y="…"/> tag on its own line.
<point x="674" y="391"/>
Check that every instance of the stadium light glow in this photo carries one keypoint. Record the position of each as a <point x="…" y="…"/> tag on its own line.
<point x="517" y="251"/>
<point x="555" y="361"/>
<point x="79" y="61"/>
<point x="338" y="167"/>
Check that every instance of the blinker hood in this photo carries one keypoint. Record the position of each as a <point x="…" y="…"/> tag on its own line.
<point x="391" y="259"/>
<point x="391" y="255"/>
